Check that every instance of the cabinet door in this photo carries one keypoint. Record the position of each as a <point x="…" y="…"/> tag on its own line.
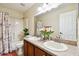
<point x="30" y="50"/>
<point x="39" y="52"/>
<point x="48" y="54"/>
<point x="25" y="48"/>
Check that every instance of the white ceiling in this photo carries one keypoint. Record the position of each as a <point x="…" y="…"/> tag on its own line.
<point x="22" y="7"/>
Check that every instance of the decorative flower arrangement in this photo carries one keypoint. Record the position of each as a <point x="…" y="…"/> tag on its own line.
<point x="46" y="32"/>
<point x="26" y="32"/>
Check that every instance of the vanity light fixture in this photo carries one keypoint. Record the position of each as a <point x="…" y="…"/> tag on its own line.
<point x="16" y="23"/>
<point x="47" y="7"/>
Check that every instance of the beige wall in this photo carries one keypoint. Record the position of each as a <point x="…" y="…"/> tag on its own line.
<point x="49" y="18"/>
<point x="12" y="12"/>
<point x="78" y="31"/>
<point x="78" y="25"/>
<point x="29" y="16"/>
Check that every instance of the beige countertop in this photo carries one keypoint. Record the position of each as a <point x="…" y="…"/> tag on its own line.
<point x="71" y="51"/>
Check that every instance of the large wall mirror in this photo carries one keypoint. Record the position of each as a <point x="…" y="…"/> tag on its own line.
<point x="62" y="19"/>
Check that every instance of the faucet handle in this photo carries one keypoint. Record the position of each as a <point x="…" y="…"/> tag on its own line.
<point x="58" y="36"/>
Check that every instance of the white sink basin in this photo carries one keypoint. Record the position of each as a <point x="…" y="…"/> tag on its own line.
<point x="32" y="38"/>
<point x="55" y="46"/>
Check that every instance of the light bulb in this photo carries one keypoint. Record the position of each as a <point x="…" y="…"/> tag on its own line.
<point x="40" y="8"/>
<point x="16" y="23"/>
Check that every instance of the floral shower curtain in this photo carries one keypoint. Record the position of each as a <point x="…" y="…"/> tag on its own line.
<point x="6" y="34"/>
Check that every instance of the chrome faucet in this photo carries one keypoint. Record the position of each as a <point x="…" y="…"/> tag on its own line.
<point x="59" y="37"/>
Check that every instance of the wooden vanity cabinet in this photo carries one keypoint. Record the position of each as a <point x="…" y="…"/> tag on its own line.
<point x="28" y="49"/>
<point x="49" y="54"/>
<point x="25" y="48"/>
<point x="39" y="52"/>
<point x="32" y="50"/>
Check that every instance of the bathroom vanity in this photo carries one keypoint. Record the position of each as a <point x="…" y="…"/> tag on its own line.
<point x="37" y="48"/>
<point x="32" y="50"/>
<point x="64" y="24"/>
